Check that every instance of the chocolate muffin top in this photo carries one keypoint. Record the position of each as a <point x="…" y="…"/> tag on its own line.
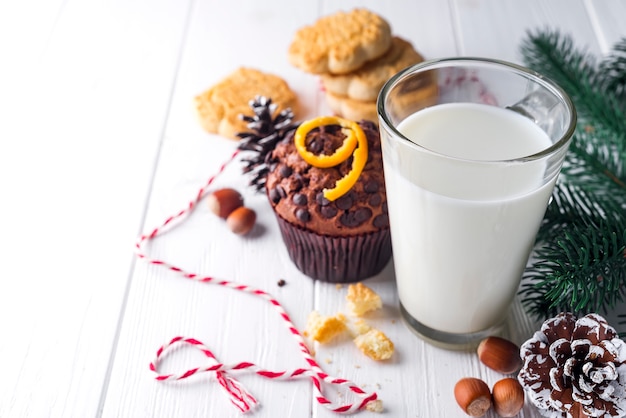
<point x="295" y="188"/>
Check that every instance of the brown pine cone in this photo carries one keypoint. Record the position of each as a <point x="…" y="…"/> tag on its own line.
<point x="575" y="368"/>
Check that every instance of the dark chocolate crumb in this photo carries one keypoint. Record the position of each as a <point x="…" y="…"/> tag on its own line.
<point x="274" y="196"/>
<point x="297" y="184"/>
<point x="371" y="186"/>
<point x="381" y="221"/>
<point x="281" y="283"/>
<point x="300" y="178"/>
<point x="303" y="215"/>
<point x="348" y="220"/>
<point x="315" y="146"/>
<point x="321" y="200"/>
<point x="328" y="211"/>
<point x="375" y="200"/>
<point x="345" y="201"/>
<point x="285" y="171"/>
<point x="300" y="199"/>
<point x="362" y="214"/>
<point x="355" y="218"/>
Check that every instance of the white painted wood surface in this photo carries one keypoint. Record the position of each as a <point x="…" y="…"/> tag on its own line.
<point x="98" y="143"/>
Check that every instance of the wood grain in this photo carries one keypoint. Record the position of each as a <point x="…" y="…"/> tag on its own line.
<point x="100" y="143"/>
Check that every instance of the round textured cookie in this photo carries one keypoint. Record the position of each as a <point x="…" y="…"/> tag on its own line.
<point x="340" y="43"/>
<point x="352" y="109"/>
<point x="365" y="83"/>
<point x="219" y="107"/>
<point x="424" y="95"/>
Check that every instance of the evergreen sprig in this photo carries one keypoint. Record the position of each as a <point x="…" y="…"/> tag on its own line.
<point x="580" y="258"/>
<point x="614" y="70"/>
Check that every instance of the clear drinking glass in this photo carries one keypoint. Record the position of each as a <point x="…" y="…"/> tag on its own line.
<point x="472" y="149"/>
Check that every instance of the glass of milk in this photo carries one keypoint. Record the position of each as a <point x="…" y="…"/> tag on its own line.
<point x="472" y="148"/>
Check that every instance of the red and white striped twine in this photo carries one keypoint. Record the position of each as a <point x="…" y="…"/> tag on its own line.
<point x="239" y="396"/>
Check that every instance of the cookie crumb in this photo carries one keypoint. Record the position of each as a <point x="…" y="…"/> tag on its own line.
<point x="374" y="406"/>
<point x="375" y="345"/>
<point x="361" y="327"/>
<point x="281" y="283"/>
<point x="324" y="328"/>
<point x="361" y="299"/>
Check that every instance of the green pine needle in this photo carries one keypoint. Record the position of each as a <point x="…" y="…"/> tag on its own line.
<point x="582" y="269"/>
<point x="580" y="259"/>
<point x="614" y="70"/>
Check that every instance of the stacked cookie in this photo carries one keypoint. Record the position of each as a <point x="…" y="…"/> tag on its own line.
<point x="354" y="53"/>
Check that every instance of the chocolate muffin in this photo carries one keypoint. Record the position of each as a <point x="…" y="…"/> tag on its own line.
<point x="341" y="241"/>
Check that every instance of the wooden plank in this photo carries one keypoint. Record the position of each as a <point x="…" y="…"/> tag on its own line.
<point x="237" y="327"/>
<point x="77" y="162"/>
<point x="407" y="384"/>
<point x="496" y="28"/>
<point x="162" y="305"/>
<point x="420" y="379"/>
<point x="607" y="18"/>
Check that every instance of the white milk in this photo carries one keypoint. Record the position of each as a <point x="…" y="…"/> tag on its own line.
<point x="462" y="234"/>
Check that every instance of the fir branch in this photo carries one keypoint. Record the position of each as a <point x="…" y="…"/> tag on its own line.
<point x="582" y="269"/>
<point x="572" y="205"/>
<point x="596" y="161"/>
<point x="580" y="257"/>
<point x="555" y="56"/>
<point x="599" y="145"/>
<point x="613" y="69"/>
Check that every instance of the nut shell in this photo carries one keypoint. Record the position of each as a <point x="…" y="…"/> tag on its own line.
<point x="241" y="220"/>
<point x="508" y="397"/>
<point x="500" y="354"/>
<point x="473" y="396"/>
<point x="223" y="201"/>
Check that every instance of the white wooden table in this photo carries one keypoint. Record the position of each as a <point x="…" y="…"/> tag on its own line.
<point x="99" y="143"/>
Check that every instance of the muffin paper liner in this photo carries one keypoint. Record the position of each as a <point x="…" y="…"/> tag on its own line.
<point x="336" y="259"/>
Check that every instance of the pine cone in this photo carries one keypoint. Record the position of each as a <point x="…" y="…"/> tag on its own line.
<point x="575" y="368"/>
<point x="266" y="132"/>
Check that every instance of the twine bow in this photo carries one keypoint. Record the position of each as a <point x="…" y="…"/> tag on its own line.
<point x="238" y="395"/>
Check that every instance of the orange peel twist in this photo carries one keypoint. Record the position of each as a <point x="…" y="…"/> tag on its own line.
<point x="355" y="144"/>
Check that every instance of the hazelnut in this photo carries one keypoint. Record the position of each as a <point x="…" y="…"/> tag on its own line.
<point x="241" y="220"/>
<point x="473" y="396"/>
<point x="223" y="201"/>
<point x="508" y="397"/>
<point x="500" y="355"/>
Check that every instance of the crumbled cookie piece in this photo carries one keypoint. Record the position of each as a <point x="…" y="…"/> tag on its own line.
<point x="324" y="328"/>
<point x="375" y="345"/>
<point x="374" y="406"/>
<point x="361" y="299"/>
<point x="361" y="327"/>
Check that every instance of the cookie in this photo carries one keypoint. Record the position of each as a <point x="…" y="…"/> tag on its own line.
<point x="365" y="83"/>
<point x="425" y="94"/>
<point x="352" y="109"/>
<point x="219" y="107"/>
<point x="340" y="43"/>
